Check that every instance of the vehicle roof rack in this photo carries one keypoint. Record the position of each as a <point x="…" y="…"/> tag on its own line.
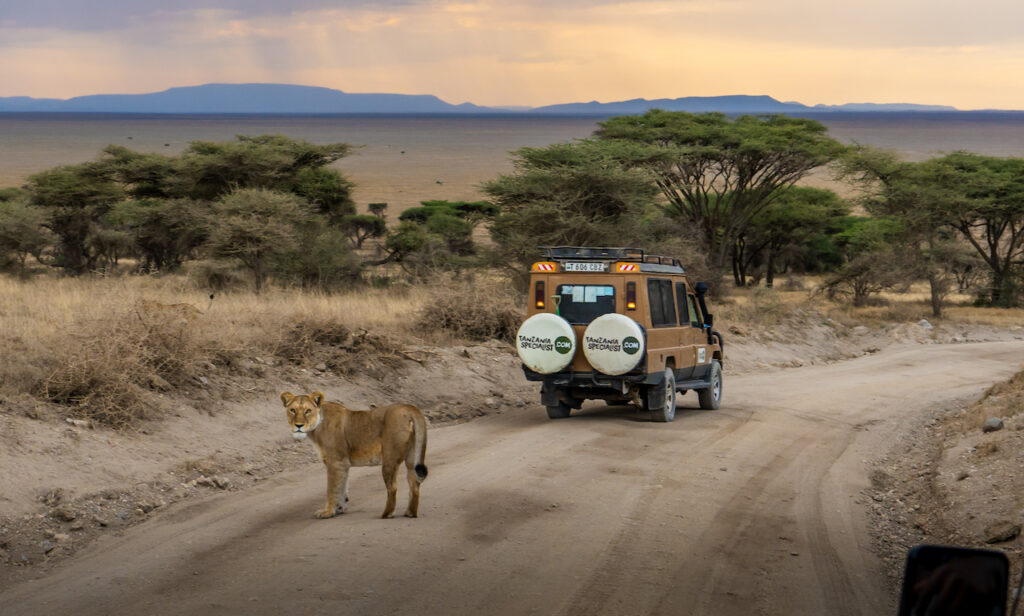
<point x="602" y="253"/>
<point x="591" y="252"/>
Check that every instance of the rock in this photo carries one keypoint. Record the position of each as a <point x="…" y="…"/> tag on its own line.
<point x="924" y="324"/>
<point x="64" y="514"/>
<point x="860" y="330"/>
<point x="321" y="367"/>
<point x="962" y="475"/>
<point x="222" y="482"/>
<point x="77" y="525"/>
<point x="1001" y="531"/>
<point x="992" y="424"/>
<point x="491" y="402"/>
<point x="204" y="481"/>
<point x="209" y="365"/>
<point x="147" y="506"/>
<point x="736" y="331"/>
<point x="61" y="537"/>
<point x="79" y="423"/>
<point x="53" y="497"/>
<point x="47" y="546"/>
<point x="203" y="380"/>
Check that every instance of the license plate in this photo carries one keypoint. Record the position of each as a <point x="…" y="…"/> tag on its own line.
<point x="585" y="267"/>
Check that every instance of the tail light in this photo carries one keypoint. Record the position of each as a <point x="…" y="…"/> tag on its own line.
<point x="539" y="294"/>
<point x="630" y="296"/>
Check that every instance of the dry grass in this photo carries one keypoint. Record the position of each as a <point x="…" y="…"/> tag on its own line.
<point x="86" y="344"/>
<point x="483" y="310"/>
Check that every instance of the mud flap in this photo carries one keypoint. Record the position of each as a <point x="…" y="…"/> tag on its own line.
<point x="550" y="395"/>
<point x="654" y="395"/>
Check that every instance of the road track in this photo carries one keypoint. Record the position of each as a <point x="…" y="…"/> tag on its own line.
<point x="752" y="509"/>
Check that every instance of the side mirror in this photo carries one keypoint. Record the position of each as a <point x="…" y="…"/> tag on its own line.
<point x="709" y="320"/>
<point x="951" y="580"/>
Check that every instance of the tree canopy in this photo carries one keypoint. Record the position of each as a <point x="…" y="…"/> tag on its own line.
<point x="717" y="173"/>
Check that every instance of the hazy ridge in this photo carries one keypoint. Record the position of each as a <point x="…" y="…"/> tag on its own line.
<point x="265" y="98"/>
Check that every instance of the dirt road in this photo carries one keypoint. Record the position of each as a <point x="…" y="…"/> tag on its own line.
<point x="750" y="509"/>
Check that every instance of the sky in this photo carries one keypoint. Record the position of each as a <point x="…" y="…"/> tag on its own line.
<point x="965" y="53"/>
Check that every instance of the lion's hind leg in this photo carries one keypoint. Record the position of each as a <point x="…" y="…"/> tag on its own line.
<point x="414" y="491"/>
<point x="390" y="471"/>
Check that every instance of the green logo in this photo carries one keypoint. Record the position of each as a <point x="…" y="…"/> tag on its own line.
<point x="630" y="345"/>
<point x="563" y="345"/>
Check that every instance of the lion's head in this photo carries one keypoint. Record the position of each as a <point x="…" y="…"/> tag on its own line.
<point x="304" y="412"/>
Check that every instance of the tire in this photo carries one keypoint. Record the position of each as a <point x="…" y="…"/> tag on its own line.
<point x="546" y="343"/>
<point x="711" y="398"/>
<point x="613" y="344"/>
<point x="668" y="410"/>
<point x="560" y="411"/>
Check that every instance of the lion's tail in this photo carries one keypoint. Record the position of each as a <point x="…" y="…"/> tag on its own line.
<point x="419" y="447"/>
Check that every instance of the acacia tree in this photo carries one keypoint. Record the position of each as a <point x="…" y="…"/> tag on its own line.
<point x="75" y="198"/>
<point x="871" y="262"/>
<point x="982" y="197"/>
<point x="791" y="221"/>
<point x="578" y="194"/>
<point x="716" y="173"/>
<point x="22" y="231"/>
<point x="257" y="226"/>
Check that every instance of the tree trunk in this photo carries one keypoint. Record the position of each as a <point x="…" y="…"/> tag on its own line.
<point x="935" y="284"/>
<point x="769" y="276"/>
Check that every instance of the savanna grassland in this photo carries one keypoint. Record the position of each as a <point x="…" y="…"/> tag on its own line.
<point x="149" y="318"/>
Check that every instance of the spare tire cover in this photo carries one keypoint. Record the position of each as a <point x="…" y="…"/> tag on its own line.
<point x="613" y="343"/>
<point x="546" y="343"/>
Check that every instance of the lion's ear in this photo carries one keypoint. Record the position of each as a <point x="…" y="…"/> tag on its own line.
<point x="287" y="397"/>
<point x="318" y="397"/>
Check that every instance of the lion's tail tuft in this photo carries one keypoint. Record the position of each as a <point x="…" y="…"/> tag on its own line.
<point x="419" y="451"/>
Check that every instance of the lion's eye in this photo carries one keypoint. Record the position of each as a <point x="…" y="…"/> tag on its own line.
<point x="307" y="411"/>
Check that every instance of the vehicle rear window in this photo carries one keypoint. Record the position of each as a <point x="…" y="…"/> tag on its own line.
<point x="580" y="304"/>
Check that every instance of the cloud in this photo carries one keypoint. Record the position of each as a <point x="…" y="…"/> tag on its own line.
<point x="91" y="15"/>
<point x="524" y="51"/>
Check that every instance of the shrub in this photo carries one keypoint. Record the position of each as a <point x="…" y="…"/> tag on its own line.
<point x="104" y="367"/>
<point x="474" y="312"/>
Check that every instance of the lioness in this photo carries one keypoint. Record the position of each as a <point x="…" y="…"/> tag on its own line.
<point x="347" y="438"/>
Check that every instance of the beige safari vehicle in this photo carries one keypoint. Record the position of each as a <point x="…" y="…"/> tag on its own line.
<point x="619" y="325"/>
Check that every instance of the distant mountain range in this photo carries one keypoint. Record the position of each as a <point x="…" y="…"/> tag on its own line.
<point x="268" y="98"/>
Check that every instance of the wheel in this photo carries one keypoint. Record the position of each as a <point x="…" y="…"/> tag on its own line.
<point x="668" y="410"/>
<point x="559" y="411"/>
<point x="711" y="398"/>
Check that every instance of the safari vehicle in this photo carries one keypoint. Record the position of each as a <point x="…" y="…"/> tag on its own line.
<point x="619" y="325"/>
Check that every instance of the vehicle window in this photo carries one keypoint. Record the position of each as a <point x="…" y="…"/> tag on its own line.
<point x="580" y="304"/>
<point x="663" y="310"/>
<point x="694" y="315"/>
<point x="684" y="314"/>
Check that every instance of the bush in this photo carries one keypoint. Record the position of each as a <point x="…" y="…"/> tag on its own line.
<point x="105" y="367"/>
<point x="474" y="312"/>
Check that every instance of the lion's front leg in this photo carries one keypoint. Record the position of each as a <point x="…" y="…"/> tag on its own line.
<point x="337" y="476"/>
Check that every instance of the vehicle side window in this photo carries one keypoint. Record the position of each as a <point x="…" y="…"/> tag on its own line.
<point x="694" y="314"/>
<point x="663" y="309"/>
<point x="684" y="314"/>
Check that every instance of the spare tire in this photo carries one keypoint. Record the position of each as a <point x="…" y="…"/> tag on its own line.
<point x="614" y="344"/>
<point x="546" y="343"/>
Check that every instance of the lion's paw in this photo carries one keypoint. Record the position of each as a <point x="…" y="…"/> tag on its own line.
<point x="323" y="514"/>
